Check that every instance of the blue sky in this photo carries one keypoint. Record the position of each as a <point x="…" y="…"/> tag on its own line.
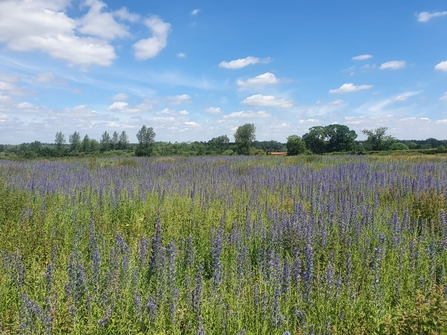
<point x="194" y="70"/>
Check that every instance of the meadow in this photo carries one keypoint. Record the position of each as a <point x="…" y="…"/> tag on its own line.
<point x="224" y="245"/>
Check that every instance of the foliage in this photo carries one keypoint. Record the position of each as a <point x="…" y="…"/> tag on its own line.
<point x="75" y="141"/>
<point x="219" y="144"/>
<point x="377" y="140"/>
<point x="332" y="138"/>
<point x="255" y="245"/>
<point x="146" y="140"/>
<point x="244" y="137"/>
<point x="398" y="146"/>
<point x="295" y="146"/>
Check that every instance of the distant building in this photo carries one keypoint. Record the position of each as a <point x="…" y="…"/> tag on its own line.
<point x="279" y="153"/>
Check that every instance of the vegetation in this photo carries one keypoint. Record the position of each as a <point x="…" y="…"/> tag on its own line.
<point x="210" y="245"/>
<point x="332" y="139"/>
<point x="244" y="137"/>
<point x="295" y="146"/>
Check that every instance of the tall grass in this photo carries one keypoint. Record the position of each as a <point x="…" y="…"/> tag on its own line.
<point x="236" y="245"/>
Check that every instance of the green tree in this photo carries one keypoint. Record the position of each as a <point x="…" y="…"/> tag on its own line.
<point x="59" y="140"/>
<point x="398" y="146"/>
<point x="244" y="137"/>
<point x="146" y="140"/>
<point x="94" y="146"/>
<point x="123" y="142"/>
<point x="114" y="140"/>
<point x="295" y="145"/>
<point x="377" y="139"/>
<point x="315" y="139"/>
<point x="340" y="138"/>
<point x="75" y="141"/>
<point x="219" y="144"/>
<point x="105" y="141"/>
<point x="85" y="147"/>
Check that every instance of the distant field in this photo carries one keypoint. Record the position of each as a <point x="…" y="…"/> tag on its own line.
<point x="224" y="245"/>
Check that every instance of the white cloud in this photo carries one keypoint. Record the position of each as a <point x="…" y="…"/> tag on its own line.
<point x="247" y="115"/>
<point x="12" y="89"/>
<point x="393" y="65"/>
<point x="168" y="111"/>
<point x="214" y="110"/>
<point x="243" y="62"/>
<point x="195" y="11"/>
<point x="444" y="97"/>
<point x="179" y="99"/>
<point x="5" y="100"/>
<point x="101" y="24"/>
<point x="349" y="87"/>
<point x="427" y="16"/>
<point x="25" y="105"/>
<point x="267" y="100"/>
<point x="378" y="107"/>
<point x="124" y="15"/>
<point x="45" y="78"/>
<point x="441" y="66"/>
<point x="118" y="106"/>
<point x="43" y="25"/>
<point x="362" y="57"/>
<point x="261" y="80"/>
<point x="181" y="55"/>
<point x="120" y="96"/>
<point x="150" y="47"/>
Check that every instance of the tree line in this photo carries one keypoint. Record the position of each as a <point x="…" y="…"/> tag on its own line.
<point x="334" y="138"/>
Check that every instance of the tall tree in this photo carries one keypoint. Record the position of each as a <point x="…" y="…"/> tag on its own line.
<point x="295" y="145"/>
<point x="85" y="144"/>
<point x="75" y="141"/>
<point x="105" y="141"/>
<point x="244" y="137"/>
<point x="114" y="141"/>
<point x="315" y="139"/>
<point x="219" y="144"/>
<point x="146" y="140"/>
<point x="340" y="138"/>
<point x="59" y="140"/>
<point x="123" y="142"/>
<point x="377" y="140"/>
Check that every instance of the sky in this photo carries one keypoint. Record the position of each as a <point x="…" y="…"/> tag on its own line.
<point x="194" y="70"/>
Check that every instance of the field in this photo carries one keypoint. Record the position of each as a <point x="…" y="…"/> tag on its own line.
<point x="224" y="245"/>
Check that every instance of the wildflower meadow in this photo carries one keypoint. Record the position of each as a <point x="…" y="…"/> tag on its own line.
<point x="224" y="245"/>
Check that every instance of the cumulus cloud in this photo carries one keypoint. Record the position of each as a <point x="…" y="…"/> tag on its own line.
<point x="195" y="12"/>
<point x="444" y="97"/>
<point x="43" y="25"/>
<point x="441" y="66"/>
<point x="393" y="65"/>
<point x="118" y="106"/>
<point x="124" y="15"/>
<point x="5" y="100"/>
<point x="11" y="88"/>
<point x="214" y="110"/>
<point x="362" y="57"/>
<point x="243" y="62"/>
<point x="101" y="24"/>
<point x="349" y="87"/>
<point x="427" y="16"/>
<point x="261" y="80"/>
<point x="179" y="99"/>
<point x="171" y="112"/>
<point x="247" y="115"/>
<point x="120" y="96"/>
<point x="260" y="100"/>
<point x="151" y="47"/>
<point x="181" y="55"/>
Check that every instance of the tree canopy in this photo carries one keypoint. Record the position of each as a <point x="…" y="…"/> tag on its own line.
<point x="244" y="137"/>
<point x="295" y="146"/>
